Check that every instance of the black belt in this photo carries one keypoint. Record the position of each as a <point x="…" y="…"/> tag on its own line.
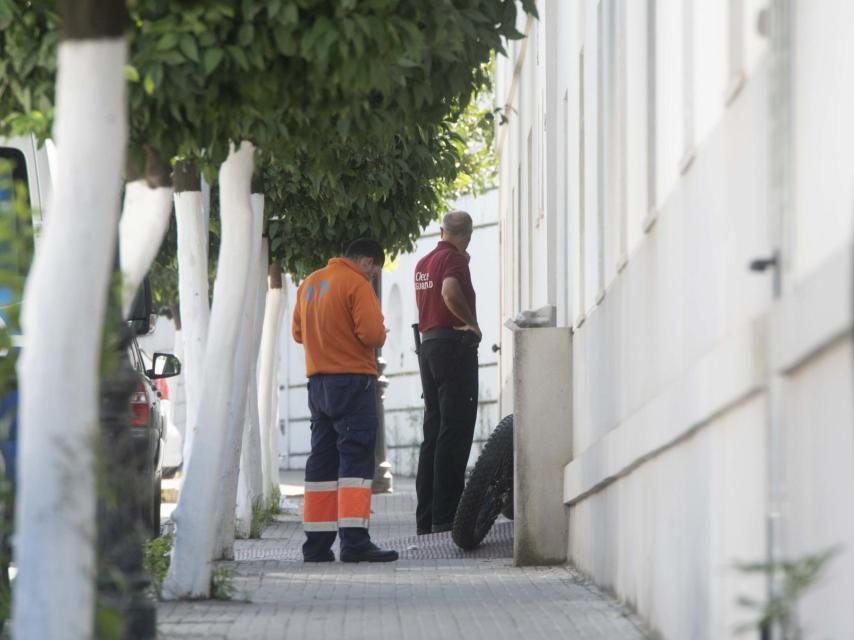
<point x="441" y="333"/>
<point x="446" y="333"/>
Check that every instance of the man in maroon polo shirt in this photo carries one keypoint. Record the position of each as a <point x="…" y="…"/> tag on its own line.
<point x="448" y="361"/>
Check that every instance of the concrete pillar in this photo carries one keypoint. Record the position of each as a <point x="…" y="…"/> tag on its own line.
<point x="542" y="398"/>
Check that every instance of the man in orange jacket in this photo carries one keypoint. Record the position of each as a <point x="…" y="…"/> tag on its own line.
<point x="337" y="319"/>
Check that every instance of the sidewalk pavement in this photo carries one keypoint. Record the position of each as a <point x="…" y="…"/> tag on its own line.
<point x="434" y="591"/>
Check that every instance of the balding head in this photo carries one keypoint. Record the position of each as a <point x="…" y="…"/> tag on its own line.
<point x="456" y="229"/>
<point x="457" y="223"/>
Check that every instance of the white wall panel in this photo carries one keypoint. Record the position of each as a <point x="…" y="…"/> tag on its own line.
<point x="819" y="446"/>
<point x="824" y="131"/>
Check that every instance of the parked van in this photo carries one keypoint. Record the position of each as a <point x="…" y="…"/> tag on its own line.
<point x="25" y="165"/>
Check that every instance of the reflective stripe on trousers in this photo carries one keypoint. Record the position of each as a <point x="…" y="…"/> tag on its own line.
<point x="330" y="505"/>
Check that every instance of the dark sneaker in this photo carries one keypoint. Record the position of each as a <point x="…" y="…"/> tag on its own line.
<point x="323" y="557"/>
<point x="371" y="554"/>
<point x="441" y="528"/>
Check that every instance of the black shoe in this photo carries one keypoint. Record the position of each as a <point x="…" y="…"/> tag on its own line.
<point x="424" y="532"/>
<point x="441" y="528"/>
<point x="323" y="557"/>
<point x="371" y="554"/>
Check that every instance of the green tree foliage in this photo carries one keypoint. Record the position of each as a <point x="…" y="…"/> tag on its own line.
<point x="354" y="104"/>
<point x="285" y="74"/>
<point x="29" y="32"/>
<point x="387" y="192"/>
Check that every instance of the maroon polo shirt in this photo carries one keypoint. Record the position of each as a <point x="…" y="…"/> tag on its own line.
<point x="445" y="261"/>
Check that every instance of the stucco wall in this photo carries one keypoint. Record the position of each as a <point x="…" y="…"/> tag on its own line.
<point x="706" y="398"/>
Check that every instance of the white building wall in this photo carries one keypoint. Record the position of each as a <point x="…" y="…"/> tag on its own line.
<point x="704" y="399"/>
<point x="403" y="403"/>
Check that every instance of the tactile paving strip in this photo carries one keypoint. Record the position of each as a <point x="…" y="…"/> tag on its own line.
<point x="436" y="546"/>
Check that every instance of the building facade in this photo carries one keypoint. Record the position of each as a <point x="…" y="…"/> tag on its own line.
<point x="404" y="408"/>
<point x="676" y="180"/>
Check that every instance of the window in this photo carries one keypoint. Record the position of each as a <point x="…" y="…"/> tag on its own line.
<point x="687" y="85"/>
<point x="580" y="304"/>
<point x="564" y="242"/>
<point x="601" y="128"/>
<point x="710" y="71"/>
<point x="669" y="98"/>
<point x="14" y="225"/>
<point x="528" y="260"/>
<point x="651" y="115"/>
<point x="638" y="73"/>
<point x="735" y="58"/>
<point x="620" y="169"/>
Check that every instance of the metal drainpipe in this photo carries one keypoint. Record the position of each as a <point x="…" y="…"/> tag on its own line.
<point x="777" y="23"/>
<point x="383" y="479"/>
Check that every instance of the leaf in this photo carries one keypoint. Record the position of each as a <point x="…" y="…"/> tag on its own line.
<point x="285" y="42"/>
<point x="211" y="59"/>
<point x="148" y="84"/>
<point x="239" y="57"/>
<point x="245" y="35"/>
<point x="187" y="45"/>
<point x="290" y="15"/>
<point x="167" y="41"/>
<point x="273" y="8"/>
<point x="131" y="73"/>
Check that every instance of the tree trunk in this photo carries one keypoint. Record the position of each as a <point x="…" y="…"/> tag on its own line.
<point x="228" y="474"/>
<point x="264" y="471"/>
<point x="250" y="486"/>
<point x="63" y="320"/>
<point x="267" y="391"/>
<point x="274" y="432"/>
<point x="177" y="387"/>
<point x="144" y="221"/>
<point x="192" y="291"/>
<point x="195" y="516"/>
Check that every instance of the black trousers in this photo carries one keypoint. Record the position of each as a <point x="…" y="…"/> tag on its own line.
<point x="449" y="381"/>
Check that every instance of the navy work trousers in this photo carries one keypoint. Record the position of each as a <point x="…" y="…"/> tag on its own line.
<point x="340" y="468"/>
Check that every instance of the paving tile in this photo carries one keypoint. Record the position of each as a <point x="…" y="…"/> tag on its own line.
<point x="435" y="591"/>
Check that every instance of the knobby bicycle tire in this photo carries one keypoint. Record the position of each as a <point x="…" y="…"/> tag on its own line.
<point x="489" y="490"/>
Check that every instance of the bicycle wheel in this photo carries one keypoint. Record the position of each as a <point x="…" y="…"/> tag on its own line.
<point x="489" y="490"/>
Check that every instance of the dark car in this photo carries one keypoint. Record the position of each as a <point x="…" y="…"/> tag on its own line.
<point x="146" y="427"/>
<point x="146" y="419"/>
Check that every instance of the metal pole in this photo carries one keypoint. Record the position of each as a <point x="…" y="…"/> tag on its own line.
<point x="383" y="478"/>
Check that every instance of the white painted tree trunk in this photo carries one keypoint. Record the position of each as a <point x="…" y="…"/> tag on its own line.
<point x="144" y="221"/>
<point x="267" y="388"/>
<point x="249" y="477"/>
<point x="193" y="294"/>
<point x="178" y="387"/>
<point x="229" y="469"/>
<point x="250" y="485"/>
<point x="273" y="433"/>
<point x="195" y="516"/>
<point x="63" y="320"/>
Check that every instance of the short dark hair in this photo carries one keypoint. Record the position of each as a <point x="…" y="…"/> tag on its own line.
<point x="366" y="248"/>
